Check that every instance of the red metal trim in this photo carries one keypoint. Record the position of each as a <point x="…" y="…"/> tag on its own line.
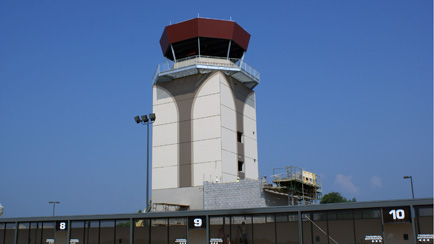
<point x="200" y="27"/>
<point x="164" y="42"/>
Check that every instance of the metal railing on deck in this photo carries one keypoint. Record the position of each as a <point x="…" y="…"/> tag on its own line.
<point x="208" y="61"/>
<point x="295" y="173"/>
<point x="250" y="70"/>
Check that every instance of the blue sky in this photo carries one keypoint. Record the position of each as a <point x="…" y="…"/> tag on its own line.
<point x="346" y="92"/>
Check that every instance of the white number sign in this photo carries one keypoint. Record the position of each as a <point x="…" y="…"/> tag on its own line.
<point x="62" y="225"/>
<point x="197" y="222"/>
<point x="397" y="213"/>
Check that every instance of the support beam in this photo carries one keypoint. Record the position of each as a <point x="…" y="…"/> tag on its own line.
<point x="229" y="49"/>
<point x="168" y="64"/>
<point x="173" y="53"/>
<point x="198" y="44"/>
<point x="242" y="59"/>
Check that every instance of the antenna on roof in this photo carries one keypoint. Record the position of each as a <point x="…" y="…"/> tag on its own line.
<point x="230" y="18"/>
<point x="170" y="22"/>
<point x="198" y="15"/>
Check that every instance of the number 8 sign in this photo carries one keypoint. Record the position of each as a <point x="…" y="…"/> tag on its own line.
<point x="62" y="225"/>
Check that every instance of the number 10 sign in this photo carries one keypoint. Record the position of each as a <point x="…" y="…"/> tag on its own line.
<point x="397" y="215"/>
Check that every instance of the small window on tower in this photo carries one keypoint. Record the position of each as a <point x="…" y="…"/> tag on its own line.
<point x="240" y="166"/>
<point x="240" y="137"/>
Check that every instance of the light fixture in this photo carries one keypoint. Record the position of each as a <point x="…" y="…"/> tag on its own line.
<point x="411" y="181"/>
<point x="54" y="205"/>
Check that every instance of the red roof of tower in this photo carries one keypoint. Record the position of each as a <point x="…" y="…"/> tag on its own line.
<point x="214" y="38"/>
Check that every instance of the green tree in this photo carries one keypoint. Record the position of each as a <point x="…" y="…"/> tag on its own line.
<point x="335" y="197"/>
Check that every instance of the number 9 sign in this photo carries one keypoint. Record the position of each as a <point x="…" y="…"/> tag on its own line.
<point x="197" y="222"/>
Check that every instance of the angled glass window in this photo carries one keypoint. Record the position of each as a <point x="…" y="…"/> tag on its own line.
<point x="36" y="233"/>
<point x="424" y="223"/>
<point x="2" y="232"/>
<point x="23" y="233"/>
<point x="77" y="231"/>
<point x="91" y="232"/>
<point x="177" y="229"/>
<point x="368" y="226"/>
<point x="107" y="232"/>
<point x="241" y="229"/>
<point x="220" y="228"/>
<point x="9" y="237"/>
<point x="141" y="231"/>
<point x="287" y="228"/>
<point x="122" y="228"/>
<point x="159" y="230"/>
<point x="48" y="229"/>
<point x="341" y="226"/>
<point x="315" y="228"/>
<point x="264" y="230"/>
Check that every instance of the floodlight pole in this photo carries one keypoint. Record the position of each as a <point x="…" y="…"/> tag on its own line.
<point x="145" y="120"/>
<point x="54" y="205"/>
<point x="147" y="169"/>
<point x="411" y="181"/>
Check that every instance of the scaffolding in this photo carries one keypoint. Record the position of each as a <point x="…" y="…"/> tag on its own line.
<point x="301" y="187"/>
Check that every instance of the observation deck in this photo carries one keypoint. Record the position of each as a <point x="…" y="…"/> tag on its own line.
<point x="193" y="65"/>
<point x="200" y="46"/>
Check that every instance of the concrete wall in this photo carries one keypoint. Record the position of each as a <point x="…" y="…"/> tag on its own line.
<point x="192" y="196"/>
<point x="165" y="143"/>
<point x="238" y="113"/>
<point x="247" y="193"/>
<point x="206" y="134"/>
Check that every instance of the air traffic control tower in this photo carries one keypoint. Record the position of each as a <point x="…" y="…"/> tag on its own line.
<point x="204" y="100"/>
